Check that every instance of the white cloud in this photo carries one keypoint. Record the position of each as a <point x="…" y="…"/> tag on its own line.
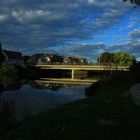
<point x="91" y="1"/>
<point x="27" y="15"/>
<point x="54" y="22"/>
<point x="33" y="15"/>
<point x="135" y="34"/>
<point x="3" y="18"/>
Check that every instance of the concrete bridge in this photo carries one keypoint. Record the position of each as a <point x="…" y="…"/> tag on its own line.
<point x="83" y="67"/>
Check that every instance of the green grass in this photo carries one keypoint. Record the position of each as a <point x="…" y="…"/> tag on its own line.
<point x="109" y="114"/>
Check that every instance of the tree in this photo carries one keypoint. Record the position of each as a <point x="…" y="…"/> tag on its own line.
<point x="118" y="58"/>
<point x="123" y="58"/>
<point x="8" y="74"/>
<point x="106" y="58"/>
<point x="137" y="2"/>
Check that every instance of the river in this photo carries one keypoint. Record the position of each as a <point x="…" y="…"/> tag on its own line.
<point x="34" y="98"/>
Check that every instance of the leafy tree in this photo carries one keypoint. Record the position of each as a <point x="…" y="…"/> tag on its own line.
<point x="8" y="70"/>
<point x="8" y="74"/>
<point x="118" y="58"/>
<point x="133" y="1"/>
<point x="123" y="58"/>
<point x="57" y="58"/>
<point x="106" y="58"/>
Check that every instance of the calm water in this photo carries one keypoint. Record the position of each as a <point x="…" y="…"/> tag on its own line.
<point x="36" y="98"/>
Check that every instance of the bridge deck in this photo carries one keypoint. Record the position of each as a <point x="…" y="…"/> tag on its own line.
<point x="84" y="67"/>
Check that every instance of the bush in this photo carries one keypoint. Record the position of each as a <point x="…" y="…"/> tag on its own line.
<point x="8" y="74"/>
<point x="8" y="70"/>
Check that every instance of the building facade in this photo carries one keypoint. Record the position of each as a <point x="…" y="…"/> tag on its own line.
<point x="1" y="54"/>
<point x="10" y="57"/>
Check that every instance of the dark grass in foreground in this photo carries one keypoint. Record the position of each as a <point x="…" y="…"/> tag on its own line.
<point x="108" y="114"/>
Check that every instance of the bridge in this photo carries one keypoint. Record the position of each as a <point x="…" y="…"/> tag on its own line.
<point x="73" y="68"/>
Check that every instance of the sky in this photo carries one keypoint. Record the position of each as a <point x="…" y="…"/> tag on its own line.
<point x="81" y="28"/>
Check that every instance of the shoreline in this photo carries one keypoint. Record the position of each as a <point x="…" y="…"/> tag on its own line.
<point x="109" y="112"/>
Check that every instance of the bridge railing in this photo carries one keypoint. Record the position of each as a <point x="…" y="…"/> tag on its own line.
<point x="88" y="64"/>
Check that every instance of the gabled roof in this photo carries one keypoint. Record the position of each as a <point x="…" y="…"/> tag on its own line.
<point x="13" y="55"/>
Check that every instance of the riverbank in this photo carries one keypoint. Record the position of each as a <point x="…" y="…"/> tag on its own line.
<point x="108" y="114"/>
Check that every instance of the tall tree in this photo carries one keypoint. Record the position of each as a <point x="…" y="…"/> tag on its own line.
<point x="106" y="58"/>
<point x="133" y="1"/>
<point x="123" y="58"/>
<point x="118" y="58"/>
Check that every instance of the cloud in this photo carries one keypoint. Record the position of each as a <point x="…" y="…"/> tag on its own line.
<point x="135" y="34"/>
<point x="108" y="18"/>
<point x="3" y="18"/>
<point x="132" y="47"/>
<point x="89" y="51"/>
<point x="35" y="16"/>
<point x="91" y="1"/>
<point x="33" y="24"/>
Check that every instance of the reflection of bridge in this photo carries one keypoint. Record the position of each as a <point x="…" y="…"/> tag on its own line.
<point x="65" y="81"/>
<point x="83" y="67"/>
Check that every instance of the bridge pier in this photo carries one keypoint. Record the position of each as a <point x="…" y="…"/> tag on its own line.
<point x="72" y="74"/>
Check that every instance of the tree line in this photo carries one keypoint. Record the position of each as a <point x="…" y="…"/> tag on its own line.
<point x="137" y="2"/>
<point x="117" y="58"/>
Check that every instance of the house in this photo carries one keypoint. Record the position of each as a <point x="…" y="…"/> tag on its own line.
<point x="50" y="58"/>
<point x="1" y="54"/>
<point x="10" y="57"/>
<point x="81" y="60"/>
<point x="74" y="60"/>
<point x="45" y="59"/>
<point x="66" y="59"/>
<point x="35" y="57"/>
<point x="27" y="59"/>
<point x="41" y="58"/>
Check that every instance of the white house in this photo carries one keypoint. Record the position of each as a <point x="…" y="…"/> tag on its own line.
<point x="10" y="57"/>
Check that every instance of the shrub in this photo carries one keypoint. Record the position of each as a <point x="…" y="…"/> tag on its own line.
<point x="8" y="74"/>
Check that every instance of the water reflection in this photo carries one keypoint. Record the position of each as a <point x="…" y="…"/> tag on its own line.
<point x="36" y="98"/>
<point x="51" y="86"/>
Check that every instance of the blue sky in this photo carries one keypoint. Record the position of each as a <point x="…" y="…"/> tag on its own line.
<point x="70" y="27"/>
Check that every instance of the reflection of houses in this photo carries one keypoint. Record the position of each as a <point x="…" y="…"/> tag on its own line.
<point x="10" y="57"/>
<point x="13" y="87"/>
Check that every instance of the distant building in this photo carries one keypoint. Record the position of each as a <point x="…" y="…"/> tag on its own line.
<point x="27" y="59"/>
<point x="10" y="57"/>
<point x="35" y="58"/>
<point x="46" y="58"/>
<point x="74" y="60"/>
<point x="1" y="54"/>
<point x="56" y="59"/>
<point x="66" y="59"/>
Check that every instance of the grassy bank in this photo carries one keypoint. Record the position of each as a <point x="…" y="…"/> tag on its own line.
<point x="108" y="114"/>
